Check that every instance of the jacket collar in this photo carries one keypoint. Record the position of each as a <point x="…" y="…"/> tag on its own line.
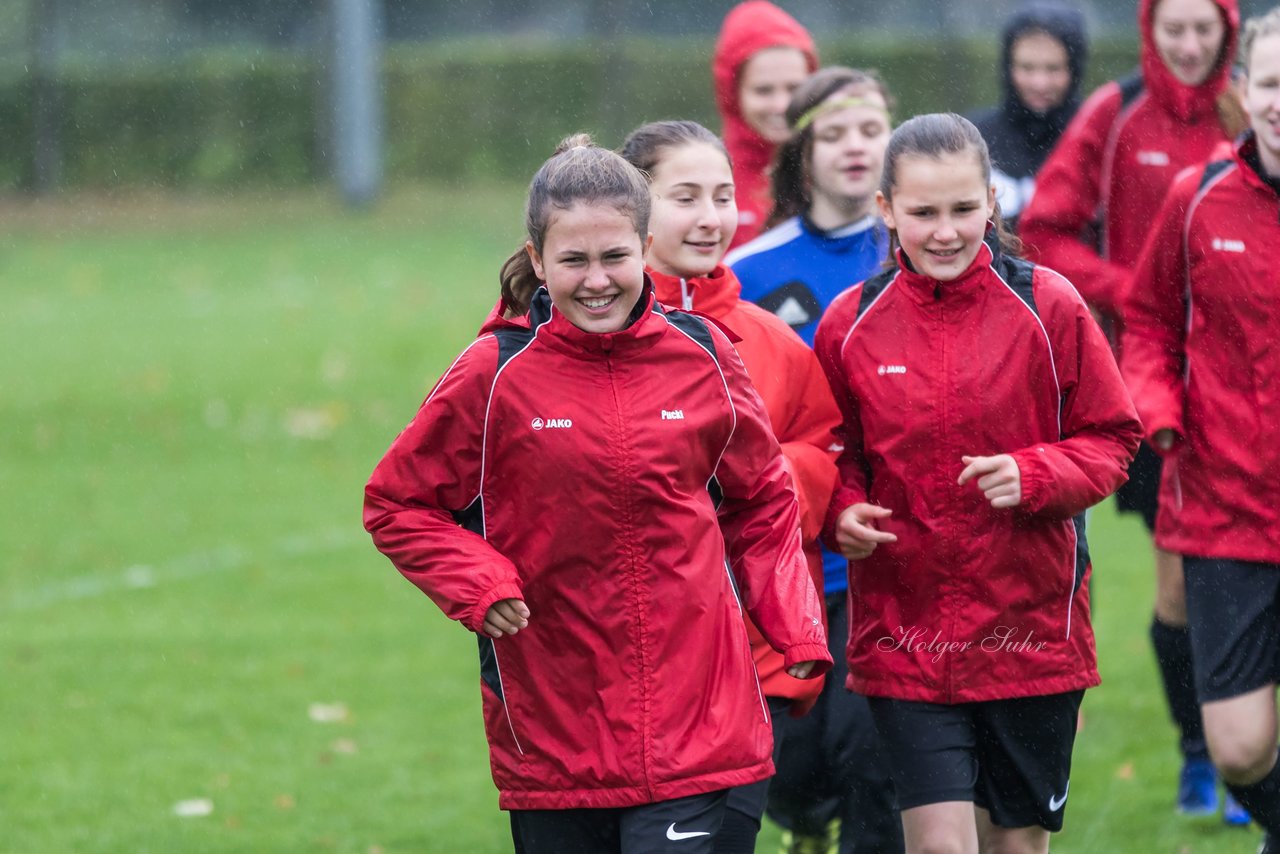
<point x="642" y="331"/>
<point x="1250" y="164"/>
<point x="1187" y="102"/>
<point x="926" y="289"/>
<point x="715" y="294"/>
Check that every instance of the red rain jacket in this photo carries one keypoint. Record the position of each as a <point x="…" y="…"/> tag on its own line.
<point x="628" y="487"/>
<point x="1111" y="168"/>
<point x="748" y="29"/>
<point x="794" y="389"/>
<point x="1201" y="357"/>
<point x="973" y="603"/>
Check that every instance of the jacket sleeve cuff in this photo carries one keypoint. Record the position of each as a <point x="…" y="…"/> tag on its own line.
<point x="1032" y="477"/>
<point x="505" y="590"/>
<point x="842" y="500"/>
<point x="815" y="652"/>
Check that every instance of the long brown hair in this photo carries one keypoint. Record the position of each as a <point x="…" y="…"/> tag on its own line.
<point x="791" y="162"/>
<point x="578" y="171"/>
<point x="933" y="135"/>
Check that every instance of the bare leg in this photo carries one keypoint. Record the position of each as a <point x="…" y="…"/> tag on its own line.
<point x="1010" y="840"/>
<point x="946" y="828"/>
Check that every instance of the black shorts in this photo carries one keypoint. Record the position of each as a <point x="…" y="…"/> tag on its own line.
<point x="1010" y="757"/>
<point x="1233" y="613"/>
<point x="680" y="825"/>
<point x="1141" y="492"/>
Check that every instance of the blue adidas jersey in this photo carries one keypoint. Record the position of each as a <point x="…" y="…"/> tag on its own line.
<point x="796" y="271"/>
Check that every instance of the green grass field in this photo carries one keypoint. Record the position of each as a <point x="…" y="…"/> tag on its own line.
<point x="193" y="395"/>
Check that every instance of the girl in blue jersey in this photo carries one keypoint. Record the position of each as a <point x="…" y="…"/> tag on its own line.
<point x="825" y="237"/>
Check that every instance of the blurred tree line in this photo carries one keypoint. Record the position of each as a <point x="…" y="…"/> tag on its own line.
<point x="213" y="93"/>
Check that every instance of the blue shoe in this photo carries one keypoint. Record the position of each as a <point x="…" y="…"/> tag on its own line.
<point x="1198" y="788"/>
<point x="1232" y="813"/>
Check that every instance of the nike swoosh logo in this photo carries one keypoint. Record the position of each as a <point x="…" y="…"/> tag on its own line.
<point x="1055" y="804"/>
<point x="675" y="835"/>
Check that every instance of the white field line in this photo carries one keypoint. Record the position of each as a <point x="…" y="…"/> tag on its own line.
<point x="142" y="576"/>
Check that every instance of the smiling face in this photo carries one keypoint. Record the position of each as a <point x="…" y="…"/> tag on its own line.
<point x="592" y="261"/>
<point x="846" y="158"/>
<point x="1040" y="71"/>
<point x="694" y="215"/>
<point x="1262" y="100"/>
<point x="940" y="208"/>
<point x="765" y="85"/>
<point x="1188" y="35"/>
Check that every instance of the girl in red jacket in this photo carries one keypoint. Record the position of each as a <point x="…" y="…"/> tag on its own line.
<point x="983" y="413"/>
<point x="1199" y="352"/>
<point x="761" y="56"/>
<point x="593" y="488"/>
<point x="692" y="221"/>
<point x="1105" y="179"/>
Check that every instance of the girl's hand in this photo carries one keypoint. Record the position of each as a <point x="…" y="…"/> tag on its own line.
<point x="998" y="478"/>
<point x="506" y="617"/>
<point x="856" y="534"/>
<point x="1164" y="439"/>
<point x="801" y="670"/>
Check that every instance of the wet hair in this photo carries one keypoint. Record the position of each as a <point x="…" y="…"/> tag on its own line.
<point x="792" y="161"/>
<point x="1267" y="24"/>
<point x="578" y="172"/>
<point x="643" y="147"/>
<point x="934" y="135"/>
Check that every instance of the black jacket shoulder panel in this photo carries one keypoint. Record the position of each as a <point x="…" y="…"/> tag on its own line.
<point x="1213" y="170"/>
<point x="873" y="287"/>
<point x="1018" y="274"/>
<point x="696" y="328"/>
<point x="1131" y="87"/>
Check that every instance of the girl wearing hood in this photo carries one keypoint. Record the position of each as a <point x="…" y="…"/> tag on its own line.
<point x="1199" y="355"/>
<point x="1043" y="60"/>
<point x="1107" y="177"/>
<point x="762" y="55"/>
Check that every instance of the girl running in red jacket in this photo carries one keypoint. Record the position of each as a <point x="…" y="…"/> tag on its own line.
<point x="692" y="221"/>
<point x="1199" y="353"/>
<point x="594" y="489"/>
<point x="983" y="413"/>
<point x="1091" y="212"/>
<point x="761" y="56"/>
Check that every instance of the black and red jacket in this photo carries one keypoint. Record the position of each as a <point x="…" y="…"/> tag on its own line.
<point x="1110" y="171"/>
<point x="1202" y="359"/>
<point x="628" y="487"/>
<point x="973" y="603"/>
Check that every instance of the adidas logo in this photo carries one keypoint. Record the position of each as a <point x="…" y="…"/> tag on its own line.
<point x="792" y="312"/>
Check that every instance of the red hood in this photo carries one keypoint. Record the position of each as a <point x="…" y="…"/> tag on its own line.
<point x="1186" y="102"/>
<point x="749" y="28"/>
